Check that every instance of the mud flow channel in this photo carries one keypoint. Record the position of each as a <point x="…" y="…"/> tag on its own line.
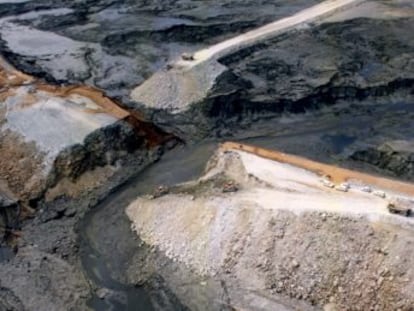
<point x="107" y="243"/>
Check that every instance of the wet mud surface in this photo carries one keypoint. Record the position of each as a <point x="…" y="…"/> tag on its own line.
<point x="341" y="93"/>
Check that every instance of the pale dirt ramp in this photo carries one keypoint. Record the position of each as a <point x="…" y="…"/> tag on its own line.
<point x="283" y="234"/>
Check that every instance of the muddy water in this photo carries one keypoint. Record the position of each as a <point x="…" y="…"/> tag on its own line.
<point x="107" y="247"/>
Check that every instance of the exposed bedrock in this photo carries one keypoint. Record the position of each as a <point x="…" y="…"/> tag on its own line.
<point x="70" y="148"/>
<point x="396" y="157"/>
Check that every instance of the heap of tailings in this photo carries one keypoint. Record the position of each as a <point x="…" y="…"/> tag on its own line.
<point x="273" y="225"/>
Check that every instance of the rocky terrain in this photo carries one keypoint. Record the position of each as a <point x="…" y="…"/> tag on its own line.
<point x="50" y="134"/>
<point x="277" y="231"/>
<point x="59" y="144"/>
<point x="75" y="147"/>
<point x="396" y="156"/>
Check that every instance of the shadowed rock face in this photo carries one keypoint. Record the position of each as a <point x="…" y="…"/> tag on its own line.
<point x="316" y="67"/>
<point x="394" y="156"/>
<point x="8" y="215"/>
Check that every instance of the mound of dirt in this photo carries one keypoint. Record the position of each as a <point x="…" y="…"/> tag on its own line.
<point x="282" y="233"/>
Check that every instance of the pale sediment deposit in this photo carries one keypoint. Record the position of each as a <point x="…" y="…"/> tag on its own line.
<point x="275" y="230"/>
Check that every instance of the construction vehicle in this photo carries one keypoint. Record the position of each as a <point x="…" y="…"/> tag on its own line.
<point x="400" y="207"/>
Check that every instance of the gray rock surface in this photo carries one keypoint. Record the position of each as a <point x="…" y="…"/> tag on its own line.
<point x="63" y="148"/>
<point x="40" y="281"/>
<point x="396" y="157"/>
<point x="6" y="201"/>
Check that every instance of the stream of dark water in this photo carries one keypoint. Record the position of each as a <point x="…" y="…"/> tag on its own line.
<point x="180" y="165"/>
